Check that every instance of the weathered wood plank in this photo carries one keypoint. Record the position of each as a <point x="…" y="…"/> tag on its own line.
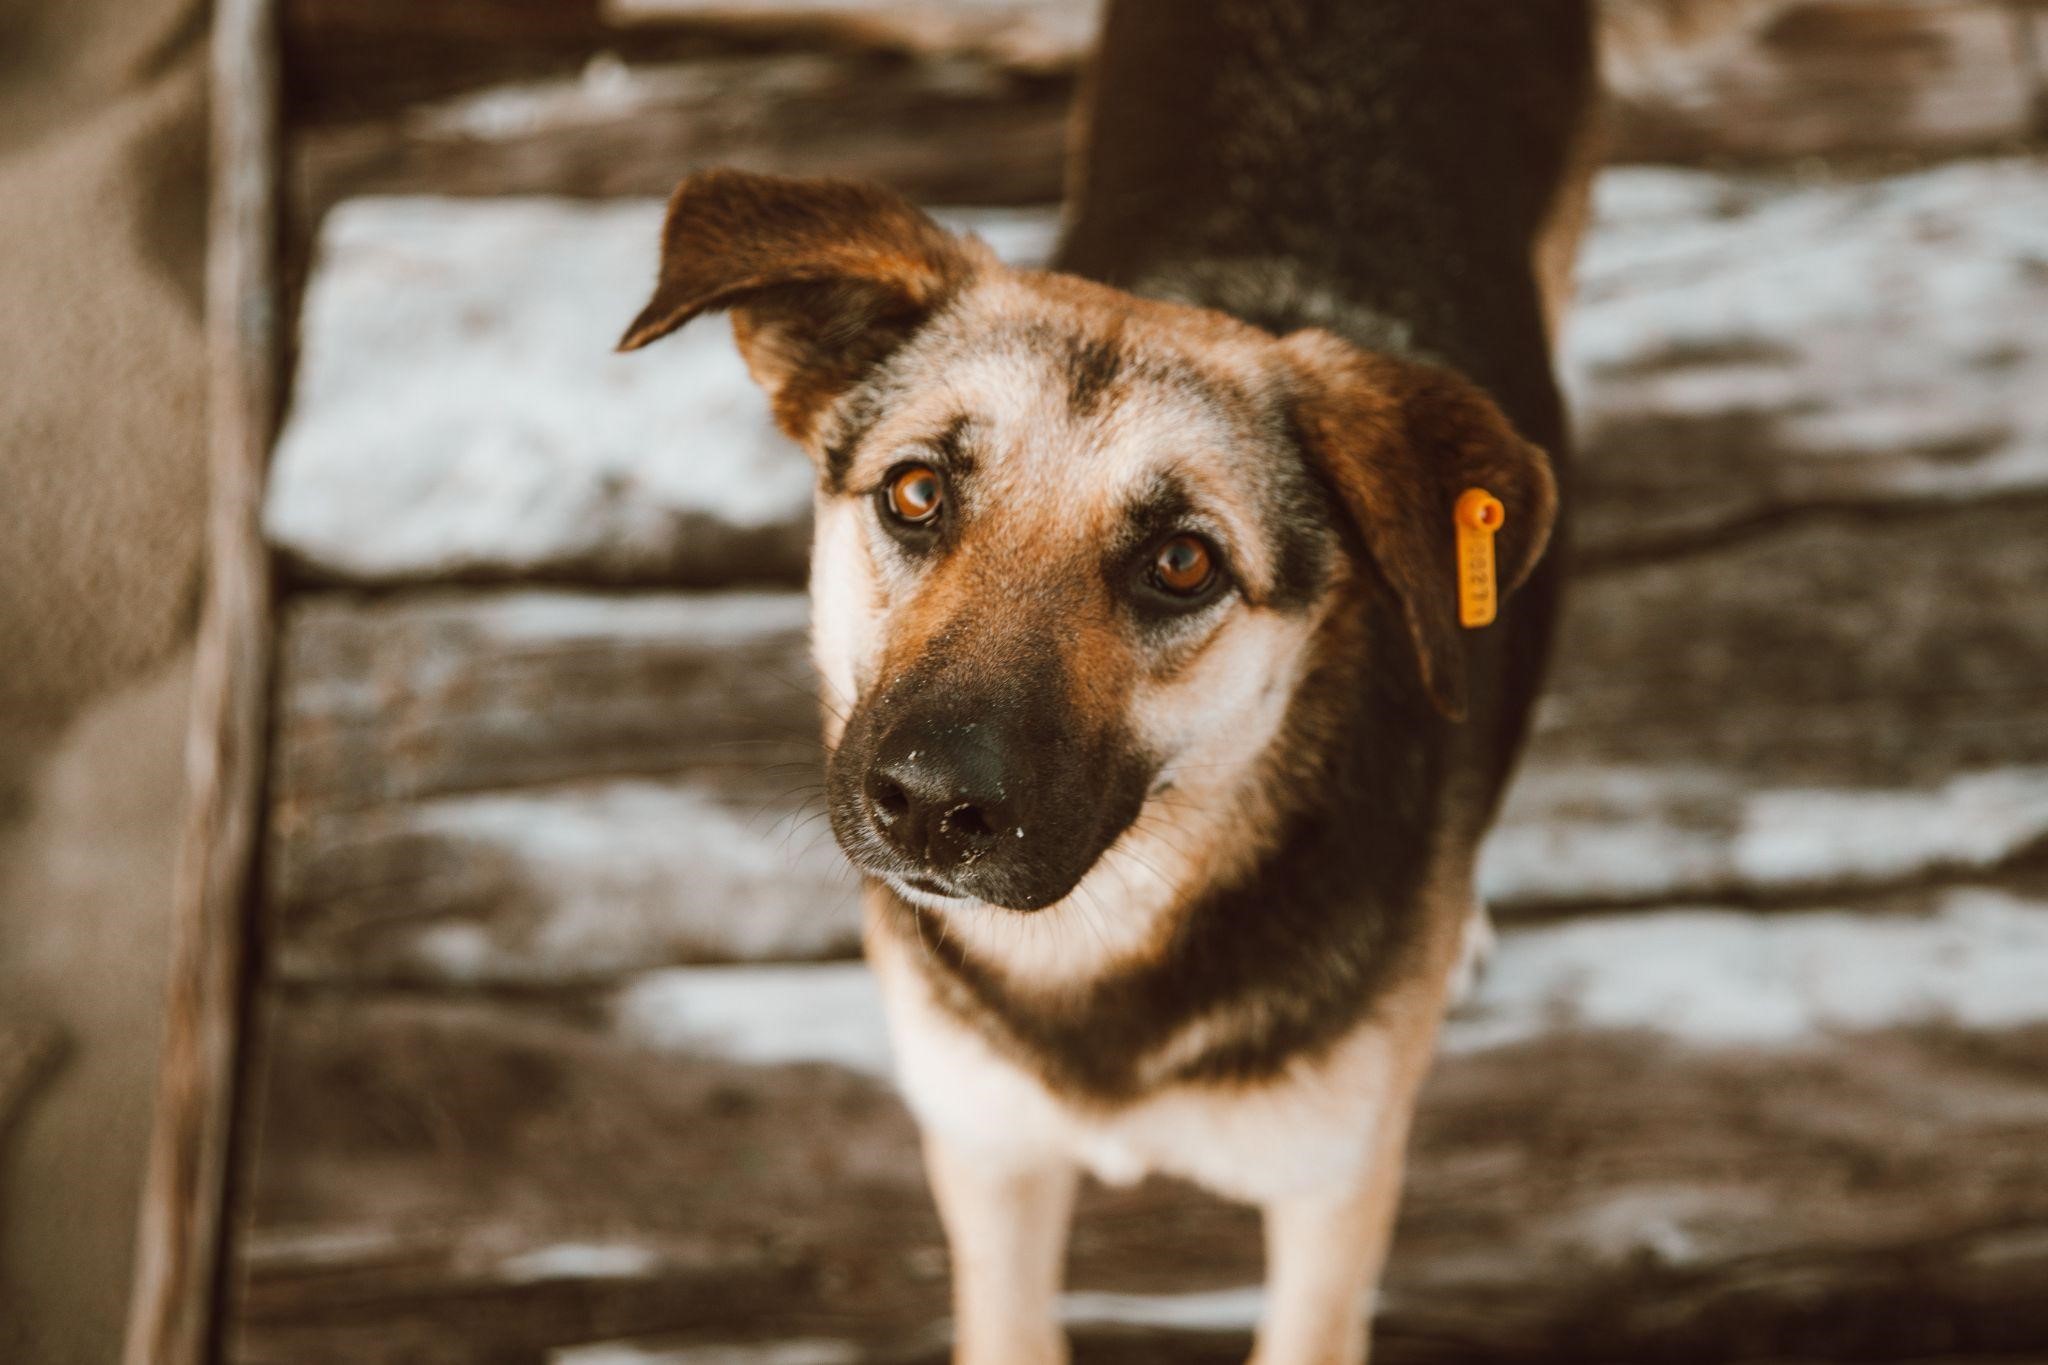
<point x="1745" y="350"/>
<point x="967" y="104"/>
<point x="1029" y="34"/>
<point x="435" y="694"/>
<point x="182" y="1236"/>
<point x="955" y="132"/>
<point x="1837" y="78"/>
<point x="568" y="884"/>
<point x="463" y="1180"/>
<point x="1883" y="652"/>
<point x="548" y="786"/>
<point x="348" y="59"/>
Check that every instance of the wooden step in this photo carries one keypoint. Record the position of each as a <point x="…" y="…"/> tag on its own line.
<point x="1712" y="1136"/>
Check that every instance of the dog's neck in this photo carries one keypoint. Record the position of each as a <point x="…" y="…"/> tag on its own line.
<point x="1280" y="295"/>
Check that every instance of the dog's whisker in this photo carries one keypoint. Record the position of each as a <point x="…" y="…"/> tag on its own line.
<point x="834" y="708"/>
<point x="1157" y="825"/>
<point x="808" y="791"/>
<point x="799" y="826"/>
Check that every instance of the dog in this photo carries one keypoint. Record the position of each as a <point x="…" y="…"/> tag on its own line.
<point x="1164" y="750"/>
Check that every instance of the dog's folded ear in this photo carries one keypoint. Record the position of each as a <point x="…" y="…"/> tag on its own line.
<point x="1399" y="442"/>
<point x="824" y="279"/>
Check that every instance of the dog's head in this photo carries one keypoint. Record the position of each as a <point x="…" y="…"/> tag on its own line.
<point x="1074" y="547"/>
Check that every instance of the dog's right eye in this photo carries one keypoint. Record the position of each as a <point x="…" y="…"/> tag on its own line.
<point x="914" y="494"/>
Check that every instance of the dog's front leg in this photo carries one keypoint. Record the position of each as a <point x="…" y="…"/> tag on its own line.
<point x="1324" y="1253"/>
<point x="1325" y="1249"/>
<point x="1006" y="1222"/>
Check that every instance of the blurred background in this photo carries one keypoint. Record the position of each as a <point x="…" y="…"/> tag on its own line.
<point x="562" y="1053"/>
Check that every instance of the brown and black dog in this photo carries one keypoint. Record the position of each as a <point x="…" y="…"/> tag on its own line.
<point x="1162" y="749"/>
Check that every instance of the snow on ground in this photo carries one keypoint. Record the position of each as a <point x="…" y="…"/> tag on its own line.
<point x="460" y="408"/>
<point x="580" y="1261"/>
<point x="1704" y="977"/>
<point x="1605" y="834"/>
<point x="1724" y="979"/>
<point x="1215" y="1310"/>
<point x="633" y="870"/>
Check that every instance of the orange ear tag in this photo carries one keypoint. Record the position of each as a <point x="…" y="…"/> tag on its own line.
<point x="1479" y="515"/>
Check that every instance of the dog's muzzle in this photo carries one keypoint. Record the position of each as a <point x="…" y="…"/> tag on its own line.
<point x="974" y="801"/>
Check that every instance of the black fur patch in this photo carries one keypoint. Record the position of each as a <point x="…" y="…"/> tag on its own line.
<point x="861" y="410"/>
<point x="1093" y="365"/>
<point x="950" y="445"/>
<point x="1162" y="509"/>
<point x="1299" y="514"/>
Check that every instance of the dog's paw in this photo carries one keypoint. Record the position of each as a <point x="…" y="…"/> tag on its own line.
<point x="1475" y="950"/>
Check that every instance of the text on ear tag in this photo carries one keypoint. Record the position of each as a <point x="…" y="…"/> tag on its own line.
<point x="1479" y="515"/>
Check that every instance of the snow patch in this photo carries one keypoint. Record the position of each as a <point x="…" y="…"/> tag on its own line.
<point x="1216" y="1310"/>
<point x="1808" y="837"/>
<point x="580" y="1261"/>
<point x="1594" y="834"/>
<point x="1717" y="978"/>
<point x="1881" y="298"/>
<point x="459" y="406"/>
<point x="628" y="869"/>
<point x="768" y="1016"/>
<point x="1708" y="978"/>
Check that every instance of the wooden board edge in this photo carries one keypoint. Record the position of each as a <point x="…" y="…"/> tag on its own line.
<point x="179" y="1254"/>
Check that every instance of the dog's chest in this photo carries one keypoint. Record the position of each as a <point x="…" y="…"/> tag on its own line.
<point x="1310" y="1127"/>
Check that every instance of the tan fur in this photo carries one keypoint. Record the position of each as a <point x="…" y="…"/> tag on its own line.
<point x="1007" y="1228"/>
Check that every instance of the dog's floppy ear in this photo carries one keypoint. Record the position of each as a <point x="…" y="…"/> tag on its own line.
<point x="824" y="279"/>
<point x="1399" y="442"/>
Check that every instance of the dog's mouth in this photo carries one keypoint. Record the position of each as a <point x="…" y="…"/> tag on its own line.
<point x="967" y="886"/>
<point x="924" y="890"/>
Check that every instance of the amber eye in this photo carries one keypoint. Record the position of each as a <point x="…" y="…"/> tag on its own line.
<point x="915" y="494"/>
<point x="1184" y="566"/>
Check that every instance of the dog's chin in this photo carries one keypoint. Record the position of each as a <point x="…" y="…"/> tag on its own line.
<point x="934" y="893"/>
<point x="1006" y="889"/>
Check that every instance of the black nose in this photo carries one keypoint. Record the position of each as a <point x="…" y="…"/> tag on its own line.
<point x="943" y="804"/>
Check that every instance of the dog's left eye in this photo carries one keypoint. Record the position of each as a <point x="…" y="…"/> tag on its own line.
<point x="1183" y="566"/>
<point x="914" y="494"/>
<point x="1185" y="570"/>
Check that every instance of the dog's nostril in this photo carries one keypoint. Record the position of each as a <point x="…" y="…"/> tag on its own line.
<point x="891" y="802"/>
<point x="968" y="824"/>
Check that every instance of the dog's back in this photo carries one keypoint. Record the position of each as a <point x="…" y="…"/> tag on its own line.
<point x="1385" y="169"/>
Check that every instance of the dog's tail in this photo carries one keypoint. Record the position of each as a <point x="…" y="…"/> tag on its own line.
<point x="1637" y="39"/>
